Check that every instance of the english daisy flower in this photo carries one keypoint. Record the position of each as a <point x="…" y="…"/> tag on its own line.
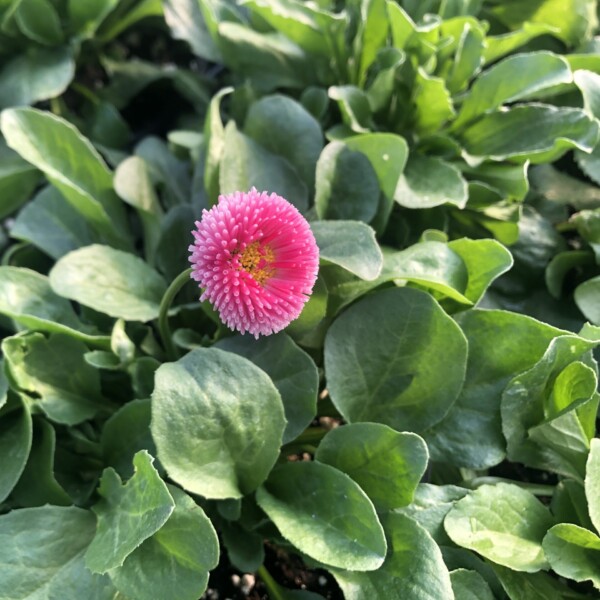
<point x="257" y="260"/>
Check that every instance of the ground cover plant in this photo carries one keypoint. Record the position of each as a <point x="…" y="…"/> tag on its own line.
<point x="426" y="428"/>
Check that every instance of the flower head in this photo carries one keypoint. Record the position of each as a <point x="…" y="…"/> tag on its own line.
<point x="257" y="260"/>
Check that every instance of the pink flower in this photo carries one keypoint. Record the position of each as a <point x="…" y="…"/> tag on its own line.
<point x="257" y="260"/>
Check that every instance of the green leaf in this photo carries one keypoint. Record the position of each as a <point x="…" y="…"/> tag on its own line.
<point x="70" y="163"/>
<point x="346" y="185"/>
<point x="421" y="370"/>
<point x="569" y="504"/>
<point x="592" y="483"/>
<point x="246" y="164"/>
<point x="55" y="567"/>
<point x="86" y="17"/>
<point x="586" y="297"/>
<point x="126" y="433"/>
<point x="26" y="297"/>
<point x="244" y="549"/>
<point x="573" y="552"/>
<point x="354" y="106"/>
<point x="432" y="101"/>
<point x="324" y="514"/>
<point x="515" y="78"/>
<point x="110" y="281"/>
<point x="186" y="22"/>
<point x="428" y="181"/>
<point x="351" y="245"/>
<point x="561" y="264"/>
<point x="572" y="19"/>
<point x="432" y="265"/>
<point x="371" y="36"/>
<point x="37" y="485"/>
<point x="470" y="585"/>
<point x="544" y="410"/>
<point x="133" y="183"/>
<point x="307" y="26"/>
<point x="485" y="260"/>
<point x="504" y="523"/>
<point x="386" y="464"/>
<point x="214" y="137"/>
<point x="535" y="132"/>
<point x="51" y="224"/>
<point x="127" y="514"/>
<point x="269" y="59"/>
<point x="39" y="21"/>
<point x="430" y="506"/>
<point x="217" y="436"/>
<point x="292" y="371"/>
<point x="15" y="445"/>
<point x="17" y="180"/>
<point x="274" y="121"/>
<point x="531" y="586"/>
<point x="497" y="46"/>
<point x="180" y="554"/>
<point x="38" y="74"/>
<point x="500" y="344"/>
<point x="413" y="568"/>
<point x="53" y="371"/>
<point x="387" y="153"/>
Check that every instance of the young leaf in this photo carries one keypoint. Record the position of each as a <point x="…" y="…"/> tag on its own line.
<point x="386" y="464"/>
<point x="592" y="483"/>
<point x="573" y="552"/>
<point x="470" y="585"/>
<point x="324" y="514"/>
<point x="180" y="554"/>
<point x="500" y="344"/>
<point x="428" y="181"/>
<point x="503" y="523"/>
<point x="54" y="372"/>
<point x="351" y="245"/>
<point x="535" y="132"/>
<point x="217" y="436"/>
<point x="514" y="78"/>
<point x="127" y="514"/>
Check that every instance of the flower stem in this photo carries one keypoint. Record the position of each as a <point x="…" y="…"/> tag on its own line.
<point x="271" y="585"/>
<point x="163" y="313"/>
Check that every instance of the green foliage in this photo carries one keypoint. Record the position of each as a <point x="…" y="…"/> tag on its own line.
<point x="427" y="428"/>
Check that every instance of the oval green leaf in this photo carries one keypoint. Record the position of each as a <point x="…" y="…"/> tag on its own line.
<point x="324" y="514"/>
<point x="110" y="281"/>
<point x="395" y="358"/>
<point x="386" y="464"/>
<point x="217" y="421"/>
<point x="503" y="523"/>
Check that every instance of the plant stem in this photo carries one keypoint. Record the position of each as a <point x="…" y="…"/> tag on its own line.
<point x="163" y="313"/>
<point x="270" y="583"/>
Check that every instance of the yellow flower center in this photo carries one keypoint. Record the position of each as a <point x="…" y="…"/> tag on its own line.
<point x="256" y="259"/>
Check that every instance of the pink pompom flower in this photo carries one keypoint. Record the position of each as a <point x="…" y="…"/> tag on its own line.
<point x="257" y="260"/>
